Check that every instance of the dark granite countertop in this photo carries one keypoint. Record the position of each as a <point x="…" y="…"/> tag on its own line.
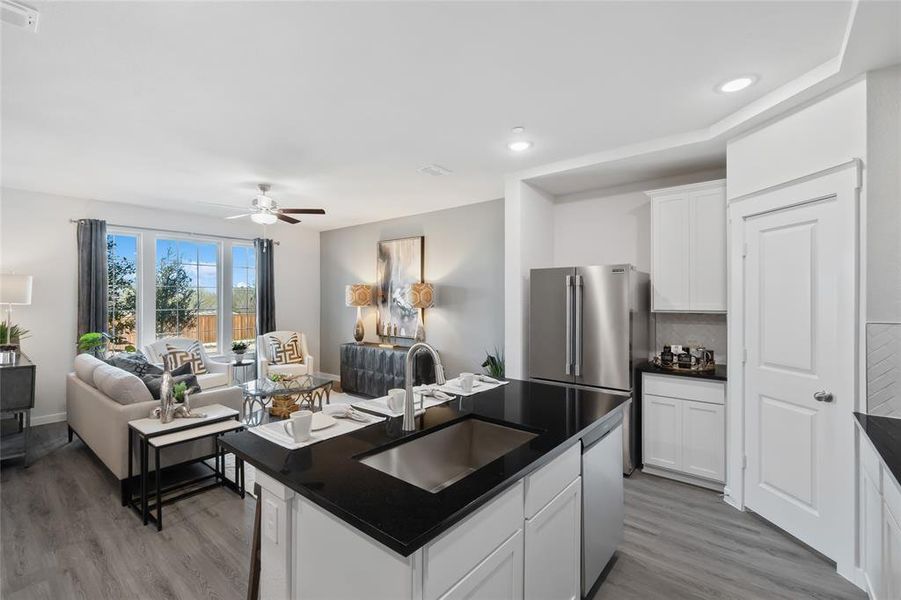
<point x="717" y="375"/>
<point x="403" y="516"/>
<point x="885" y="435"/>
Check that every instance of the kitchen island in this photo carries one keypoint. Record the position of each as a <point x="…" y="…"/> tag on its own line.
<point x="336" y="527"/>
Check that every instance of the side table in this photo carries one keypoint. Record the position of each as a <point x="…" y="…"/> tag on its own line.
<point x="17" y="399"/>
<point x="153" y="435"/>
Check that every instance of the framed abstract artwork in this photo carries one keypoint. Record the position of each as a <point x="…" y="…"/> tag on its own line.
<point x="399" y="265"/>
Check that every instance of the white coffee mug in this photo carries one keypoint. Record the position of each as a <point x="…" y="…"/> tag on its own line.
<point x="466" y="381"/>
<point x="298" y="426"/>
<point x="396" y="397"/>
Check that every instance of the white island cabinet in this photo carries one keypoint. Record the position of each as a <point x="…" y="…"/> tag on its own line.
<point x="524" y="543"/>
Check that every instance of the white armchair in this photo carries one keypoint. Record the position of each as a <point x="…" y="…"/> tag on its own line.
<point x="218" y="373"/>
<point x="264" y="355"/>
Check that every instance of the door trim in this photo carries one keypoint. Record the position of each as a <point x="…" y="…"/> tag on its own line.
<point x="844" y="181"/>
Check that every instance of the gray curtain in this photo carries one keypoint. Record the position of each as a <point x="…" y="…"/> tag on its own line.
<point x="265" y="286"/>
<point x="92" y="276"/>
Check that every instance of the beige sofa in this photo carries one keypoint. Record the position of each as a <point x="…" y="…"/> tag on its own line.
<point x="99" y="412"/>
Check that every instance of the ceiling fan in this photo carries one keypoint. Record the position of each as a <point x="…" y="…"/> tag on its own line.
<point x="265" y="210"/>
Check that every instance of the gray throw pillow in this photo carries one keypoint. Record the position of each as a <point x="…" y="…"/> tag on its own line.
<point x="182" y="373"/>
<point x="134" y="362"/>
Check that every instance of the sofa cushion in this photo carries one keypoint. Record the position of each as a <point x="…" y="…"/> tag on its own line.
<point x="120" y="385"/>
<point x="85" y="364"/>
<point x="209" y="381"/>
<point x="289" y="369"/>
<point x="154" y="381"/>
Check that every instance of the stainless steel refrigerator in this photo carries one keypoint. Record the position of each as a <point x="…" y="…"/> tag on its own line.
<point x="588" y="326"/>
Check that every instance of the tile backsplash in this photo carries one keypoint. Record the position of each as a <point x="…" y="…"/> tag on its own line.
<point x="884" y="369"/>
<point x="694" y="329"/>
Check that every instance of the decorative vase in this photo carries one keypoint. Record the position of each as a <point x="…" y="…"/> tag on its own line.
<point x="358" y="328"/>
<point x="239" y="357"/>
<point x="167" y="399"/>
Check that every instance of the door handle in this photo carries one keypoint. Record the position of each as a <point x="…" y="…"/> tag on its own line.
<point x="823" y="396"/>
<point x="577" y="368"/>
<point x="569" y="324"/>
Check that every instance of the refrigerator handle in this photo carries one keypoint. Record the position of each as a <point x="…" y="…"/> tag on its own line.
<point x="577" y="367"/>
<point x="569" y="324"/>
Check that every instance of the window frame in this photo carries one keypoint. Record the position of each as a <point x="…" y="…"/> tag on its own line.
<point x="145" y="284"/>
<point x="231" y="255"/>
<point x="139" y="284"/>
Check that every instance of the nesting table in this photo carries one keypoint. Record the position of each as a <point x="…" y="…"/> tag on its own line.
<point x="155" y="436"/>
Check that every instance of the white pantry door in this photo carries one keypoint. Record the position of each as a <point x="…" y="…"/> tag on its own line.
<point x="799" y="372"/>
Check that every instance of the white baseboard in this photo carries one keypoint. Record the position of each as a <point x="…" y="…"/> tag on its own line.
<point x="45" y="419"/>
<point x="683" y="478"/>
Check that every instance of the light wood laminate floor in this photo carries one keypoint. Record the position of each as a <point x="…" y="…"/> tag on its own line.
<point x="63" y="534"/>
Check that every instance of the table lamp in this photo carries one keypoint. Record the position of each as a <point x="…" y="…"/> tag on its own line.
<point x="358" y="295"/>
<point x="14" y="289"/>
<point x="420" y="296"/>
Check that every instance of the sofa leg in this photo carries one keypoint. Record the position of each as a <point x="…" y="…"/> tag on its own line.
<point x="71" y="432"/>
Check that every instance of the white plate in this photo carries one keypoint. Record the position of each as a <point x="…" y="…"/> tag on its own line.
<point x="322" y="421"/>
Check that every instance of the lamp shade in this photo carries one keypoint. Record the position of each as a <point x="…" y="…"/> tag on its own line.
<point x="421" y="295"/>
<point x="358" y="294"/>
<point x="15" y="289"/>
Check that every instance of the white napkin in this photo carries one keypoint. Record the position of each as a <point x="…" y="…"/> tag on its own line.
<point x="452" y="386"/>
<point x="380" y="405"/>
<point x="275" y="432"/>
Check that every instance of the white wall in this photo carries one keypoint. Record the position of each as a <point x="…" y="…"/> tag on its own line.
<point x="528" y="243"/>
<point x="36" y="238"/>
<point x="464" y="259"/>
<point x="831" y="131"/>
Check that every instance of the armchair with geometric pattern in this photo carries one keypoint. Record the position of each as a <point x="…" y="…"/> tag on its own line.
<point x="285" y="353"/>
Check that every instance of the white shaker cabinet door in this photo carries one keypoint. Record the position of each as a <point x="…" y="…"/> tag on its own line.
<point x="670" y="253"/>
<point x="662" y="431"/>
<point x="707" y="256"/>
<point x="871" y="523"/>
<point x="891" y="564"/>
<point x="704" y="440"/>
<point x="553" y="546"/>
<point x="498" y="577"/>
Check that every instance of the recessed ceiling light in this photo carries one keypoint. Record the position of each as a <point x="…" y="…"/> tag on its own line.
<point x="518" y="129"/>
<point x="519" y="146"/>
<point x="737" y="84"/>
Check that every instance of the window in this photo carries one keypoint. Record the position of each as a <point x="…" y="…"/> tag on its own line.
<point x="244" y="295"/>
<point x="187" y="290"/>
<point x="122" y="289"/>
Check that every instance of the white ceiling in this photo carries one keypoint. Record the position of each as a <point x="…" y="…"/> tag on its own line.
<point x="338" y="104"/>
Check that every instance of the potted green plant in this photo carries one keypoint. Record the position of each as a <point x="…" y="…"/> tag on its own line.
<point x="93" y="343"/>
<point x="494" y="363"/>
<point x="10" y="334"/>
<point x="239" y="348"/>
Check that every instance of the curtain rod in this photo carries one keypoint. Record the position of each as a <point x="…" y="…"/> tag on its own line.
<point x="224" y="237"/>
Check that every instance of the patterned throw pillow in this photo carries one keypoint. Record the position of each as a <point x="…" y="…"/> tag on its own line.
<point x="176" y="357"/>
<point x="286" y="353"/>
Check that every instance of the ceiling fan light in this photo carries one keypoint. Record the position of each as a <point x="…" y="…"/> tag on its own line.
<point x="263" y="218"/>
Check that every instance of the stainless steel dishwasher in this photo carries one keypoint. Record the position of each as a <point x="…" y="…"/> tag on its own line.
<point x="602" y="499"/>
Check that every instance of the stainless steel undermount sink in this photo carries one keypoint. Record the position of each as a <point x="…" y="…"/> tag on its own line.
<point x="438" y="459"/>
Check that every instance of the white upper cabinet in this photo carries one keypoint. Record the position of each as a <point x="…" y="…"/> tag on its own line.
<point x="688" y="248"/>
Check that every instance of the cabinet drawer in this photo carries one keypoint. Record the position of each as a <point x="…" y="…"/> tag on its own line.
<point x="713" y="392"/>
<point x="460" y="550"/>
<point x="870" y="462"/>
<point x="543" y="485"/>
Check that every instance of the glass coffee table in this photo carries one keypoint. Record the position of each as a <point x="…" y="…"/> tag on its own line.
<point x="287" y="395"/>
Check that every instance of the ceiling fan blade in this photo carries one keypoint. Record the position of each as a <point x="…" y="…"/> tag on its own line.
<point x="287" y="219"/>
<point x="302" y="211"/>
<point x="238" y="216"/>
